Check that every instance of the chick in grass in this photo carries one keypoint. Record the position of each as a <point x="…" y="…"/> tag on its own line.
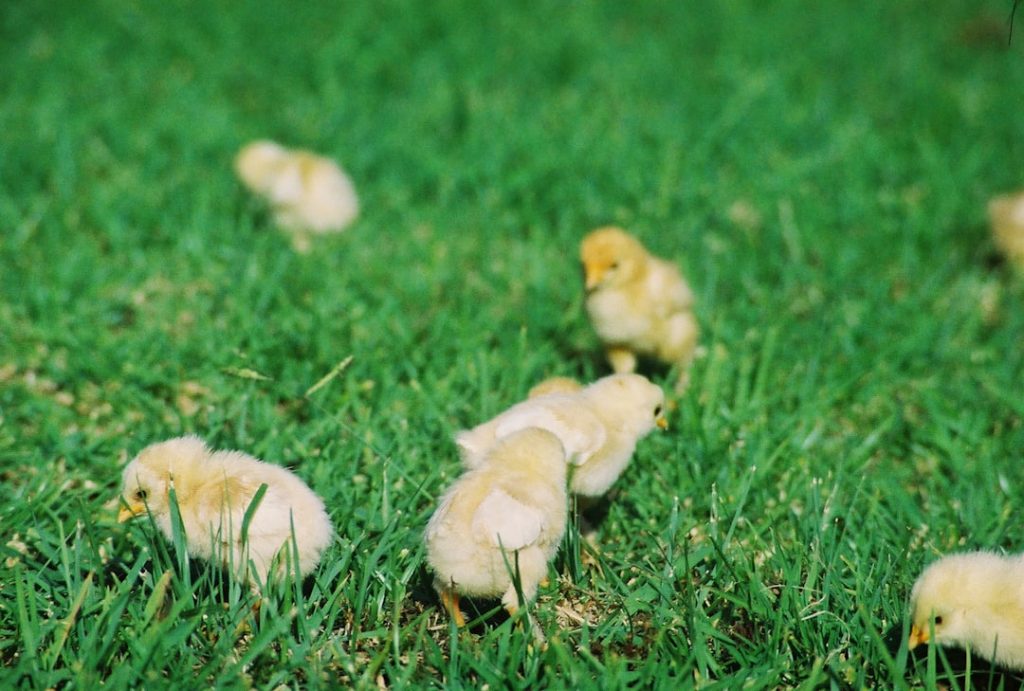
<point x="637" y="303"/>
<point x="598" y="425"/>
<point x="1006" y="214"/>
<point x="973" y="600"/>
<point x="213" y="491"/>
<point x="505" y="517"/>
<point x="309" y="194"/>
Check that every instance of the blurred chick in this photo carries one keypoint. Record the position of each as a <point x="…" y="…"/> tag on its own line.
<point x="554" y="385"/>
<point x="309" y="194"/>
<point x="213" y="491"/>
<point x="972" y="600"/>
<point x="1006" y="214"/>
<point x="638" y="304"/>
<point x="599" y="426"/>
<point x="506" y="516"/>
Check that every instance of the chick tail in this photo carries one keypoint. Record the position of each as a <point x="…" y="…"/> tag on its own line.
<point x="470" y="448"/>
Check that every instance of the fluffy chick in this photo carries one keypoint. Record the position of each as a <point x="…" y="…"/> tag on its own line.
<point x="1006" y="214"/>
<point x="638" y="304"/>
<point x="599" y="426"/>
<point x="972" y="600"/>
<point x="213" y="491"/>
<point x="510" y="512"/>
<point x="554" y="385"/>
<point x="309" y="194"/>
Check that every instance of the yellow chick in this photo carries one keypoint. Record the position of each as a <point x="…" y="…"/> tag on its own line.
<point x="213" y="491"/>
<point x="638" y="304"/>
<point x="1006" y="214"/>
<point x="554" y="385"/>
<point x="309" y="194"/>
<point x="599" y="427"/>
<point x="972" y="600"/>
<point x="506" y="516"/>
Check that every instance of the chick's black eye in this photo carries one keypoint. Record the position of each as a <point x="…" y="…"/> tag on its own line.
<point x="938" y="621"/>
<point x="657" y="411"/>
<point x="141" y="494"/>
<point x="614" y="265"/>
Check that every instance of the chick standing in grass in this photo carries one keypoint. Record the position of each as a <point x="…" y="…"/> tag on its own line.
<point x="972" y="600"/>
<point x="308" y="193"/>
<point x="505" y="517"/>
<point x="638" y="304"/>
<point x="599" y="426"/>
<point x="213" y="491"/>
<point x="1006" y="214"/>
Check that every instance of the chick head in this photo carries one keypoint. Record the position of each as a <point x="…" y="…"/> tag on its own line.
<point x="959" y="599"/>
<point x="259" y="163"/>
<point x="611" y="257"/>
<point x="631" y="401"/>
<point x="149" y="477"/>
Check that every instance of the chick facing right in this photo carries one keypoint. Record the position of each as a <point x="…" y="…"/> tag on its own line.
<point x="599" y="426"/>
<point x="506" y="516"/>
<point x="974" y="600"/>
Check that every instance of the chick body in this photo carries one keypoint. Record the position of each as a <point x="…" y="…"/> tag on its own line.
<point x="309" y="194"/>
<point x="554" y="385"/>
<point x="638" y="304"/>
<point x="213" y="491"/>
<point x="510" y="512"/>
<point x="974" y="600"/>
<point x="1006" y="214"/>
<point x="599" y="427"/>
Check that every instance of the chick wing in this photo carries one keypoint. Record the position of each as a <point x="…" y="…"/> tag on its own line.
<point x="507" y="522"/>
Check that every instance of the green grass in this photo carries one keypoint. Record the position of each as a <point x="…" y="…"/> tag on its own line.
<point x="859" y="409"/>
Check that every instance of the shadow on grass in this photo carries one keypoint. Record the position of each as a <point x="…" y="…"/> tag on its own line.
<point x="983" y="674"/>
<point x="482" y="614"/>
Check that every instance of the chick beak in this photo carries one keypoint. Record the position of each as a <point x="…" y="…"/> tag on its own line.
<point x="917" y="636"/>
<point x="129" y="512"/>
<point x="661" y="422"/>
<point x="591" y="277"/>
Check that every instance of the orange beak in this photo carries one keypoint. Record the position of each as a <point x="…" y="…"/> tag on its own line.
<point x="661" y="422"/>
<point x="917" y="636"/>
<point x="130" y="511"/>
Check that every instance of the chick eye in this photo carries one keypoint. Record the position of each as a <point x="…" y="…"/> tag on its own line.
<point x="657" y="411"/>
<point x="141" y="494"/>
<point x="938" y="620"/>
<point x="613" y="266"/>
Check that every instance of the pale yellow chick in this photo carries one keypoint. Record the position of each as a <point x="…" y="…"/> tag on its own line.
<point x="638" y="304"/>
<point x="213" y="491"/>
<point x="599" y="427"/>
<point x="309" y="194"/>
<point x="506" y="516"/>
<point x="973" y="600"/>
<point x="554" y="385"/>
<point x="1006" y="214"/>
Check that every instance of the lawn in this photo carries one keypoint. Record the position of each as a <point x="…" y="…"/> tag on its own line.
<point x="818" y="170"/>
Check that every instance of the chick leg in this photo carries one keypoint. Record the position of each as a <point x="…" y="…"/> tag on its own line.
<point x="622" y="360"/>
<point x="450" y="600"/>
<point x="679" y="346"/>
